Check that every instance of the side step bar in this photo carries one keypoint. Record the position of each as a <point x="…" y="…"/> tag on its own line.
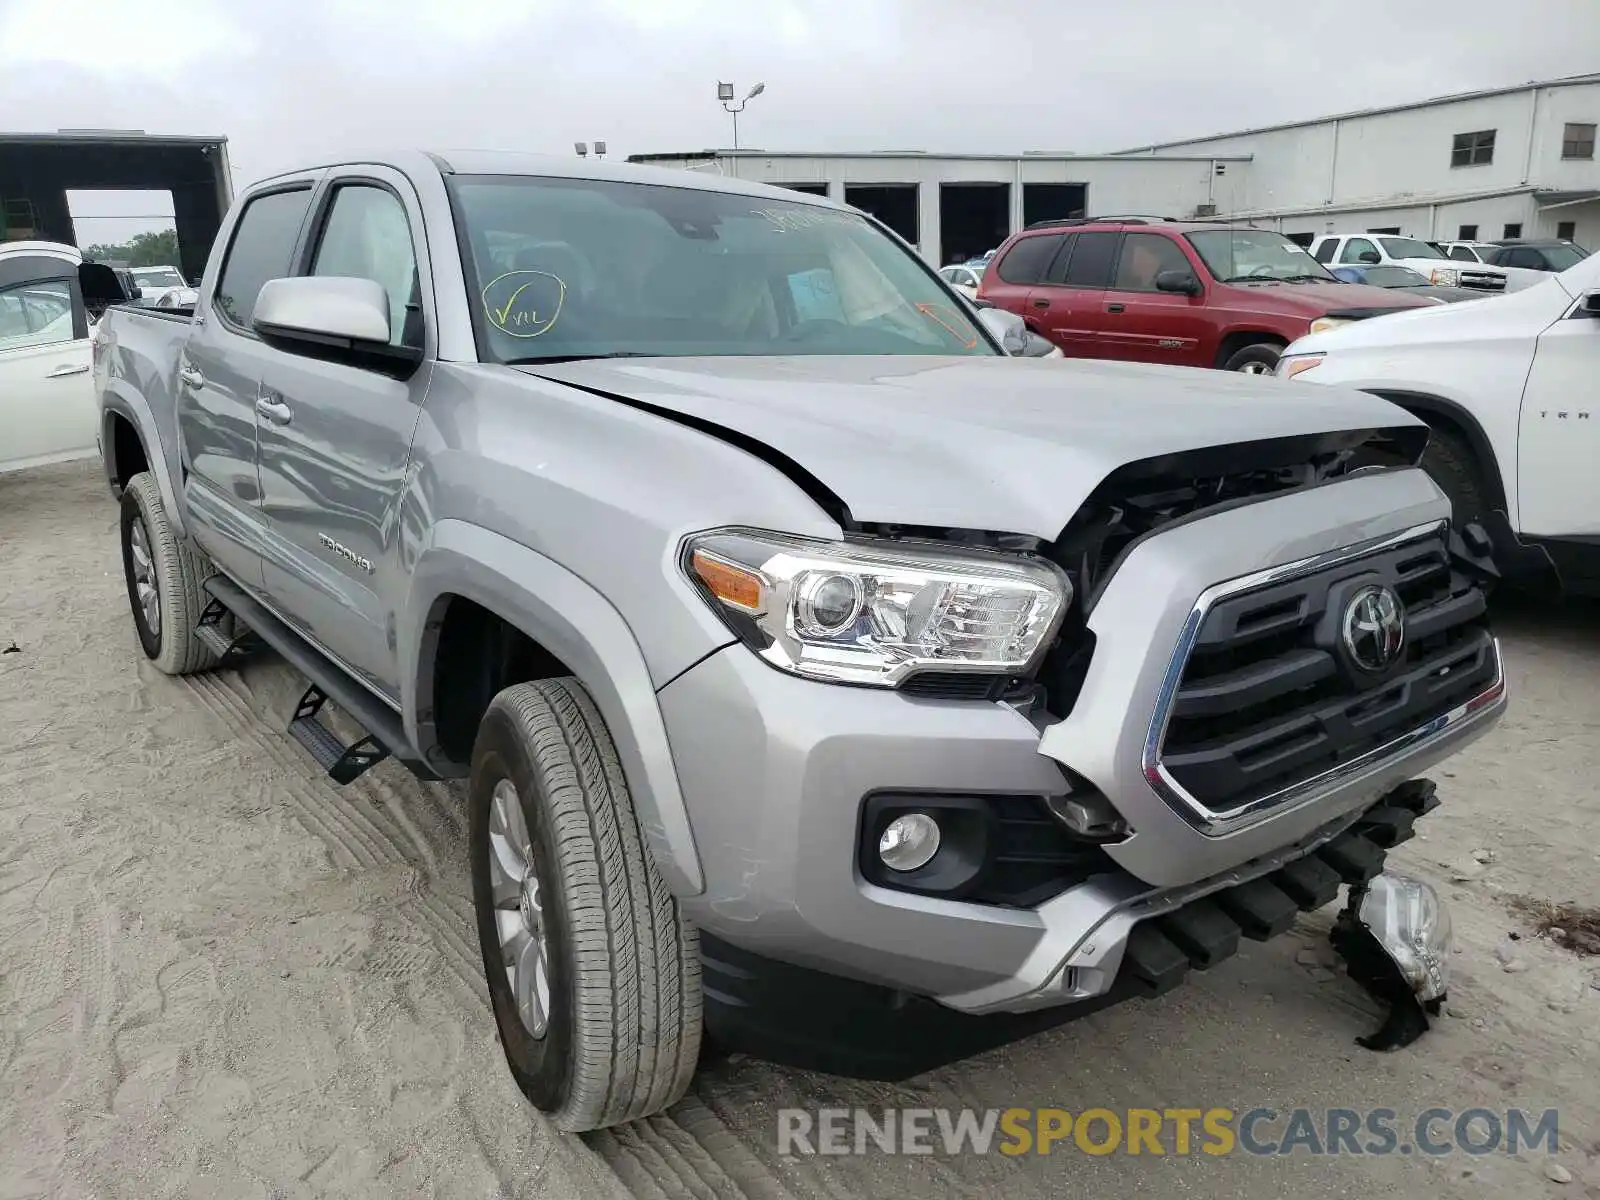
<point x="385" y="733"/>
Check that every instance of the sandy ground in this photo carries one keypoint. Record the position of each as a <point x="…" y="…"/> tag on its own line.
<point x="221" y="976"/>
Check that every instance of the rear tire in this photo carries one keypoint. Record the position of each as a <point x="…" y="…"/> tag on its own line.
<point x="164" y="578"/>
<point x="608" y="1031"/>
<point x="1259" y="358"/>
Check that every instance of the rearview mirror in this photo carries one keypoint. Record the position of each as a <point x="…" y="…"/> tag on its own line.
<point x="333" y="319"/>
<point x="1369" y="256"/>
<point x="1007" y="328"/>
<point x="1178" y="281"/>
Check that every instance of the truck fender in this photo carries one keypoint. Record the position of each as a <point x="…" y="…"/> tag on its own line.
<point x="579" y="626"/>
<point x="119" y="400"/>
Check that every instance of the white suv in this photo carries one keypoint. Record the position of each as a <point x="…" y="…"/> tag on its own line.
<point x="1372" y="249"/>
<point x="1508" y="390"/>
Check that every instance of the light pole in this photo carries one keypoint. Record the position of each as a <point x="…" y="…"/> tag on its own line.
<point x="734" y="108"/>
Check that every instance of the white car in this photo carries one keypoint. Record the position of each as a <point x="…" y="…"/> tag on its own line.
<point x="153" y="282"/>
<point x="1508" y="389"/>
<point x="963" y="278"/>
<point x="1523" y="262"/>
<point x="1392" y="250"/>
<point x="48" y="410"/>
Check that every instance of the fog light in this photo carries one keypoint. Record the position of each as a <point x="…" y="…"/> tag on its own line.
<point x="909" y="842"/>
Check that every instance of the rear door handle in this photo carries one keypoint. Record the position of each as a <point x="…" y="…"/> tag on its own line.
<point x="63" y="372"/>
<point x="275" y="411"/>
<point x="1041" y="304"/>
<point x="189" y="377"/>
<point x="1110" y="308"/>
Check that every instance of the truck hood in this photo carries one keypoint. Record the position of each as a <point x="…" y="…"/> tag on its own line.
<point x="1313" y="300"/>
<point x="1008" y="445"/>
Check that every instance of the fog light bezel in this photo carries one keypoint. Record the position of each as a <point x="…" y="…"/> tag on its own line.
<point x="965" y="830"/>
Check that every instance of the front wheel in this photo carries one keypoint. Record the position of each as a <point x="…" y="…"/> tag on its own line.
<point x="593" y="973"/>
<point x="1259" y="359"/>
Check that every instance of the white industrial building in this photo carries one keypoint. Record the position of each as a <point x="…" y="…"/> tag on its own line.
<point x="1508" y="162"/>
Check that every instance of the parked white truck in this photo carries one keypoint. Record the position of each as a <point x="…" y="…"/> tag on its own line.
<point x="814" y="667"/>
<point x="1509" y="390"/>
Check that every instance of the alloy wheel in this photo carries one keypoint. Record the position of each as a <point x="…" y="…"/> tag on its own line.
<point x="518" y="911"/>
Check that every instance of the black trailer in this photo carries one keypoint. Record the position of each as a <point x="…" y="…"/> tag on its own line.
<point x="37" y="170"/>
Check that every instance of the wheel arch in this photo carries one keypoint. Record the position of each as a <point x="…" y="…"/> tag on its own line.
<point x="567" y="619"/>
<point x="1235" y="340"/>
<point x="126" y="425"/>
<point x="1436" y="409"/>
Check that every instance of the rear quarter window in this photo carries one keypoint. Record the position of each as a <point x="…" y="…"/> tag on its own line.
<point x="1029" y="259"/>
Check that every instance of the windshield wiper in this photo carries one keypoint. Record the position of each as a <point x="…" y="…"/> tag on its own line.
<point x="547" y="359"/>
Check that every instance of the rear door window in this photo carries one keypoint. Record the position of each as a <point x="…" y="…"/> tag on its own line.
<point x="1029" y="259"/>
<point x="1326" y="249"/>
<point x="262" y="249"/>
<point x="1092" y="257"/>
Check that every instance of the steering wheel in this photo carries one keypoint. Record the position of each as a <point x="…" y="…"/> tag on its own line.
<point x="1262" y="272"/>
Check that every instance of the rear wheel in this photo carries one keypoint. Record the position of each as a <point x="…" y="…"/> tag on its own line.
<point x="1258" y="359"/>
<point x="593" y="974"/>
<point x="164" y="578"/>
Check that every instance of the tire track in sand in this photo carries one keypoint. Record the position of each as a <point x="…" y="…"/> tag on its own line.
<point x="352" y="835"/>
<point x="687" y="1153"/>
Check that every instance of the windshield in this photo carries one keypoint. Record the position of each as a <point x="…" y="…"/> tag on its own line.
<point x="1408" y="248"/>
<point x="158" y="277"/>
<point x="575" y="268"/>
<point x="1392" y="277"/>
<point x="1242" y="255"/>
<point x="1562" y="257"/>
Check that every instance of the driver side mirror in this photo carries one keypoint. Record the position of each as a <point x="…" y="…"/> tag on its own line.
<point x="1007" y="328"/>
<point x="1590" y="304"/>
<point x="333" y="319"/>
<point x="1183" y="282"/>
<point x="1369" y="257"/>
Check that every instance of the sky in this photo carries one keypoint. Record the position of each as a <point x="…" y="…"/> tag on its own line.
<point x="289" y="79"/>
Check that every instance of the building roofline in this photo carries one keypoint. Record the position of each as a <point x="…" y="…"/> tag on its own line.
<point x="135" y="136"/>
<point x="1454" y="98"/>
<point x="711" y="155"/>
<point x="1377" y="205"/>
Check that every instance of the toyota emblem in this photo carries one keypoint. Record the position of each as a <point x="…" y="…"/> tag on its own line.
<point x="1374" y="629"/>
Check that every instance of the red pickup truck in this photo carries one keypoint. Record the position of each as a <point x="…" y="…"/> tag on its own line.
<point x="1160" y="291"/>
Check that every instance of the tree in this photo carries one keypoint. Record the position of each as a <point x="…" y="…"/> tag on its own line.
<point x="159" y="249"/>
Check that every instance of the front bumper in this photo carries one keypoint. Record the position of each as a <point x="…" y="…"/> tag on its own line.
<point x="775" y="770"/>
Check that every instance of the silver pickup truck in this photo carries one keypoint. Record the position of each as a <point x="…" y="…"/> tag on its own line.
<point x="823" y="677"/>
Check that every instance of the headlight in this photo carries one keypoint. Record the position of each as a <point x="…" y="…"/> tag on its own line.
<point x="1297" y="364"/>
<point x="1323" y="324"/>
<point x="1445" y="276"/>
<point x="1412" y="924"/>
<point x="854" y="612"/>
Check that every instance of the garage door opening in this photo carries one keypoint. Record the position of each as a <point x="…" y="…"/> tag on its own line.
<point x="125" y="228"/>
<point x="895" y="204"/>
<point x="973" y="218"/>
<point x="1054" y="201"/>
<point x="811" y="189"/>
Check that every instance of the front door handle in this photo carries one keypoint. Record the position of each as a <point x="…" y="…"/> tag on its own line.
<point x="63" y="372"/>
<point x="189" y="377"/>
<point x="275" y="411"/>
<point x="1110" y="308"/>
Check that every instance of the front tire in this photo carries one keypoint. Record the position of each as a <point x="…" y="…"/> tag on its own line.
<point x="1454" y="467"/>
<point x="593" y="973"/>
<point x="164" y="578"/>
<point x="1258" y="359"/>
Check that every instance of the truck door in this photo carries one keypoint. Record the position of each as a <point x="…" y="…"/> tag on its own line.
<point x="217" y="380"/>
<point x="1143" y="324"/>
<point x="1558" y="488"/>
<point x="336" y="439"/>
<point x="1066" y="308"/>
